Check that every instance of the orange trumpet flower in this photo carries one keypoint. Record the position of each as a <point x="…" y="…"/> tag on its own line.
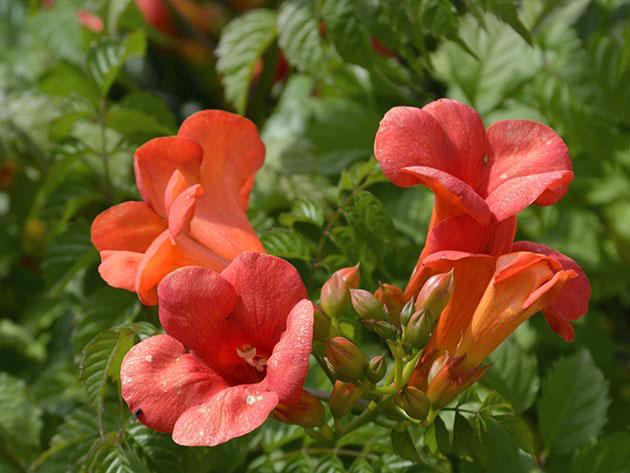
<point x="195" y="189"/>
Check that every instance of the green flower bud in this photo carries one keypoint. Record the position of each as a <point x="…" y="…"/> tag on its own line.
<point x="382" y="329"/>
<point x="407" y="311"/>
<point x="414" y="402"/>
<point x="436" y="294"/>
<point x="366" y="304"/>
<point x="347" y="359"/>
<point x="418" y="330"/>
<point x="377" y="368"/>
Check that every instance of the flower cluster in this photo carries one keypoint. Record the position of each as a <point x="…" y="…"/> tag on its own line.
<point x="239" y="327"/>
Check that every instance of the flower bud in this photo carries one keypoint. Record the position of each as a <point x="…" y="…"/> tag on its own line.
<point x="347" y="359"/>
<point x="343" y="398"/>
<point x="435" y="294"/>
<point x="334" y="296"/>
<point x="321" y="326"/>
<point x="382" y="329"/>
<point x="366" y="305"/>
<point x="393" y="299"/>
<point x="309" y="412"/>
<point x="418" y="330"/>
<point x="415" y="403"/>
<point x="350" y="275"/>
<point x="448" y="377"/>
<point x="377" y="368"/>
<point x="407" y="311"/>
<point x="335" y="293"/>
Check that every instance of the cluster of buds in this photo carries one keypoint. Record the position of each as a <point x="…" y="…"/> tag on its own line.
<point x="420" y="317"/>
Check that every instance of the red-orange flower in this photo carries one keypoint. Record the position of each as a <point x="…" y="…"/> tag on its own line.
<point x="195" y="189"/>
<point x="492" y="297"/>
<point x="236" y="350"/>
<point x="481" y="178"/>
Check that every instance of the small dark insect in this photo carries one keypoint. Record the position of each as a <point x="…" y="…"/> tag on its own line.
<point x="138" y="413"/>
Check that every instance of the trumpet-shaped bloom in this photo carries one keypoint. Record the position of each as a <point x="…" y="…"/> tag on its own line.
<point x="481" y="178"/>
<point x="492" y="297"/>
<point x="236" y="348"/>
<point x="195" y="188"/>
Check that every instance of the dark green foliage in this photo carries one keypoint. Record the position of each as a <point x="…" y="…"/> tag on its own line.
<point x="316" y="76"/>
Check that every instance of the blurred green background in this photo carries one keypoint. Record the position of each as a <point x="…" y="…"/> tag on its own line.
<point x="83" y="83"/>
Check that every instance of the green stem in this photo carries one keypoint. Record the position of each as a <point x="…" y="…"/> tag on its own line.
<point x="369" y="414"/>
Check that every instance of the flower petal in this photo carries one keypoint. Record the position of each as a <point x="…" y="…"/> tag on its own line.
<point x="130" y="226"/>
<point x="160" y="381"/>
<point x="232" y="153"/>
<point x="571" y="303"/>
<point x="231" y="413"/>
<point x="409" y="136"/>
<point x="452" y="195"/>
<point x="155" y="162"/>
<point x="164" y="256"/>
<point x="466" y="131"/>
<point x="472" y="273"/>
<point x="529" y="163"/>
<point x="119" y="268"/>
<point x="268" y="289"/>
<point x="181" y="211"/>
<point x="288" y="365"/>
<point x="195" y="308"/>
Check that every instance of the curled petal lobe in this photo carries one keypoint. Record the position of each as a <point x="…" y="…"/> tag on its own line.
<point x="177" y="183"/>
<point x="466" y="131"/>
<point x="452" y="195"/>
<point x="119" y="268"/>
<point x="181" y="211"/>
<point x="164" y="256"/>
<point x="160" y="381"/>
<point x="157" y="160"/>
<point x="288" y="365"/>
<point x="268" y="289"/>
<point x="130" y="226"/>
<point x="529" y="163"/>
<point x="571" y="302"/>
<point x="409" y="136"/>
<point x="231" y="146"/>
<point x="231" y="413"/>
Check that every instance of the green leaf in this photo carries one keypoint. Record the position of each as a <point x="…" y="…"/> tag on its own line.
<point x="299" y="37"/>
<point x="288" y="244"/>
<point x="153" y="105"/>
<point x="65" y="80"/>
<point x="513" y="373"/>
<point x="344" y="27"/>
<point x="109" y="454"/>
<point x="403" y="445"/>
<point x="242" y="44"/>
<point x="71" y="442"/>
<point x="104" y="308"/>
<point x="304" y="210"/>
<point x="497" y="447"/>
<point x="329" y="464"/>
<point x="361" y="174"/>
<point x="107" y="57"/>
<point x="20" y="420"/>
<point x="572" y="409"/>
<point x="367" y="214"/>
<point x="507" y="11"/>
<point x="609" y="454"/>
<point x="70" y="253"/>
<point x="128" y="122"/>
<point x="505" y="62"/>
<point x="157" y="450"/>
